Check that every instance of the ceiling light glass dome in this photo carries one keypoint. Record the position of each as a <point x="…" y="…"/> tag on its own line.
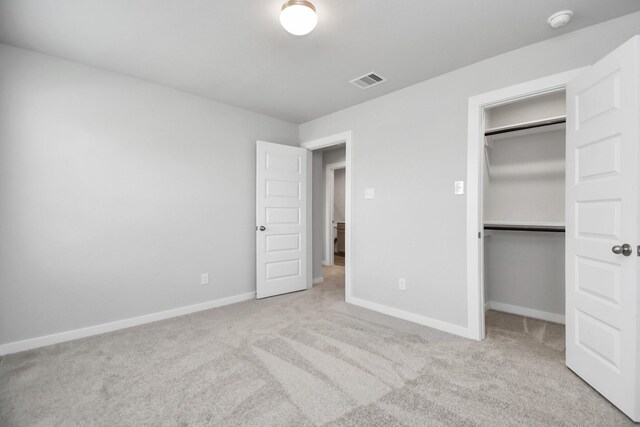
<point x="298" y="17"/>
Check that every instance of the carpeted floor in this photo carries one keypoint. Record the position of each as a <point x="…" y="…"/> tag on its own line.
<point x="302" y="359"/>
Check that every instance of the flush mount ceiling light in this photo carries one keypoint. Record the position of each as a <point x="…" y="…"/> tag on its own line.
<point x="560" y="19"/>
<point x="298" y="17"/>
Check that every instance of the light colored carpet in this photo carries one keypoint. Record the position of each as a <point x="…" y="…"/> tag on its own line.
<point x="302" y="359"/>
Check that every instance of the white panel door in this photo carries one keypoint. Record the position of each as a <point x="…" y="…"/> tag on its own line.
<point x="281" y="219"/>
<point x="602" y="216"/>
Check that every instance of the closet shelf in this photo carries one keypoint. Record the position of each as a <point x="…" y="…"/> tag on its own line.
<point x="526" y="125"/>
<point x="526" y="226"/>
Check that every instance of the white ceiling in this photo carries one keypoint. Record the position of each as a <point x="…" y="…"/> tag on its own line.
<point x="235" y="51"/>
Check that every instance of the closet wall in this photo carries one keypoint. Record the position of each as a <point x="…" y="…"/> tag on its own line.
<point x="524" y="186"/>
<point x="538" y="108"/>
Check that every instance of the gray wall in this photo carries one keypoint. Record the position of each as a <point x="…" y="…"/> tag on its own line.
<point x="339" y="182"/>
<point x="318" y="213"/>
<point x="411" y="145"/>
<point x="527" y="184"/>
<point x="331" y="155"/>
<point x="538" y="108"/>
<point x="525" y="269"/>
<point x="116" y="194"/>
<point x="526" y="178"/>
<point x="321" y="158"/>
<point x="334" y="155"/>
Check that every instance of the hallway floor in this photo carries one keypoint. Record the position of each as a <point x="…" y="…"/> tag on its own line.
<point x="302" y="359"/>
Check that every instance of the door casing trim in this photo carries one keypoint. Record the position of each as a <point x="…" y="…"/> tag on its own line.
<point x="475" y="164"/>
<point x="345" y="138"/>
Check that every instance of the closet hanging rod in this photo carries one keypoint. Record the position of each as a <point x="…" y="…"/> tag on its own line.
<point x="548" y="229"/>
<point x="524" y="126"/>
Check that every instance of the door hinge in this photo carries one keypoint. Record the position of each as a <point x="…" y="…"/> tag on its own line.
<point x="638" y="250"/>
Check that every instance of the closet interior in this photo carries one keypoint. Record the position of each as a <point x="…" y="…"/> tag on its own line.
<point x="523" y="207"/>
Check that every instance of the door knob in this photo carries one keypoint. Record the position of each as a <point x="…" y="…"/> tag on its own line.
<point x="625" y="249"/>
<point x="262" y="228"/>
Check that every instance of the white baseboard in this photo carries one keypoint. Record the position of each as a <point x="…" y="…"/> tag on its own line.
<point x="317" y="280"/>
<point x="524" y="311"/>
<point x="326" y="263"/>
<point x="487" y="306"/>
<point x="412" y="317"/>
<point x="31" y="343"/>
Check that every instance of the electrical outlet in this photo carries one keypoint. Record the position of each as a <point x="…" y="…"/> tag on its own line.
<point x="402" y="284"/>
<point x="204" y="279"/>
<point x="369" y="193"/>
<point x="458" y="188"/>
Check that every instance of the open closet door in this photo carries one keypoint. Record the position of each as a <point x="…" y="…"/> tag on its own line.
<point x="282" y="198"/>
<point x="602" y="227"/>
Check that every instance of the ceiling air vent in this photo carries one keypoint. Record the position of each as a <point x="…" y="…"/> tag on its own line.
<point x="367" y="81"/>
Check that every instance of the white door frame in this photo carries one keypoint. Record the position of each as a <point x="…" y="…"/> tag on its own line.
<point x="317" y="144"/>
<point x="475" y="165"/>
<point x="329" y="188"/>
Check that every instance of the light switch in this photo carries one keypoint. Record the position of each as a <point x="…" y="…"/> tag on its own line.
<point x="369" y="193"/>
<point x="204" y="279"/>
<point x="458" y="188"/>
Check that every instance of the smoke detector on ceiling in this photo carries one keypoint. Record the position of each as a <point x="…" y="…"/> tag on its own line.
<point x="560" y="19"/>
<point x="368" y="80"/>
